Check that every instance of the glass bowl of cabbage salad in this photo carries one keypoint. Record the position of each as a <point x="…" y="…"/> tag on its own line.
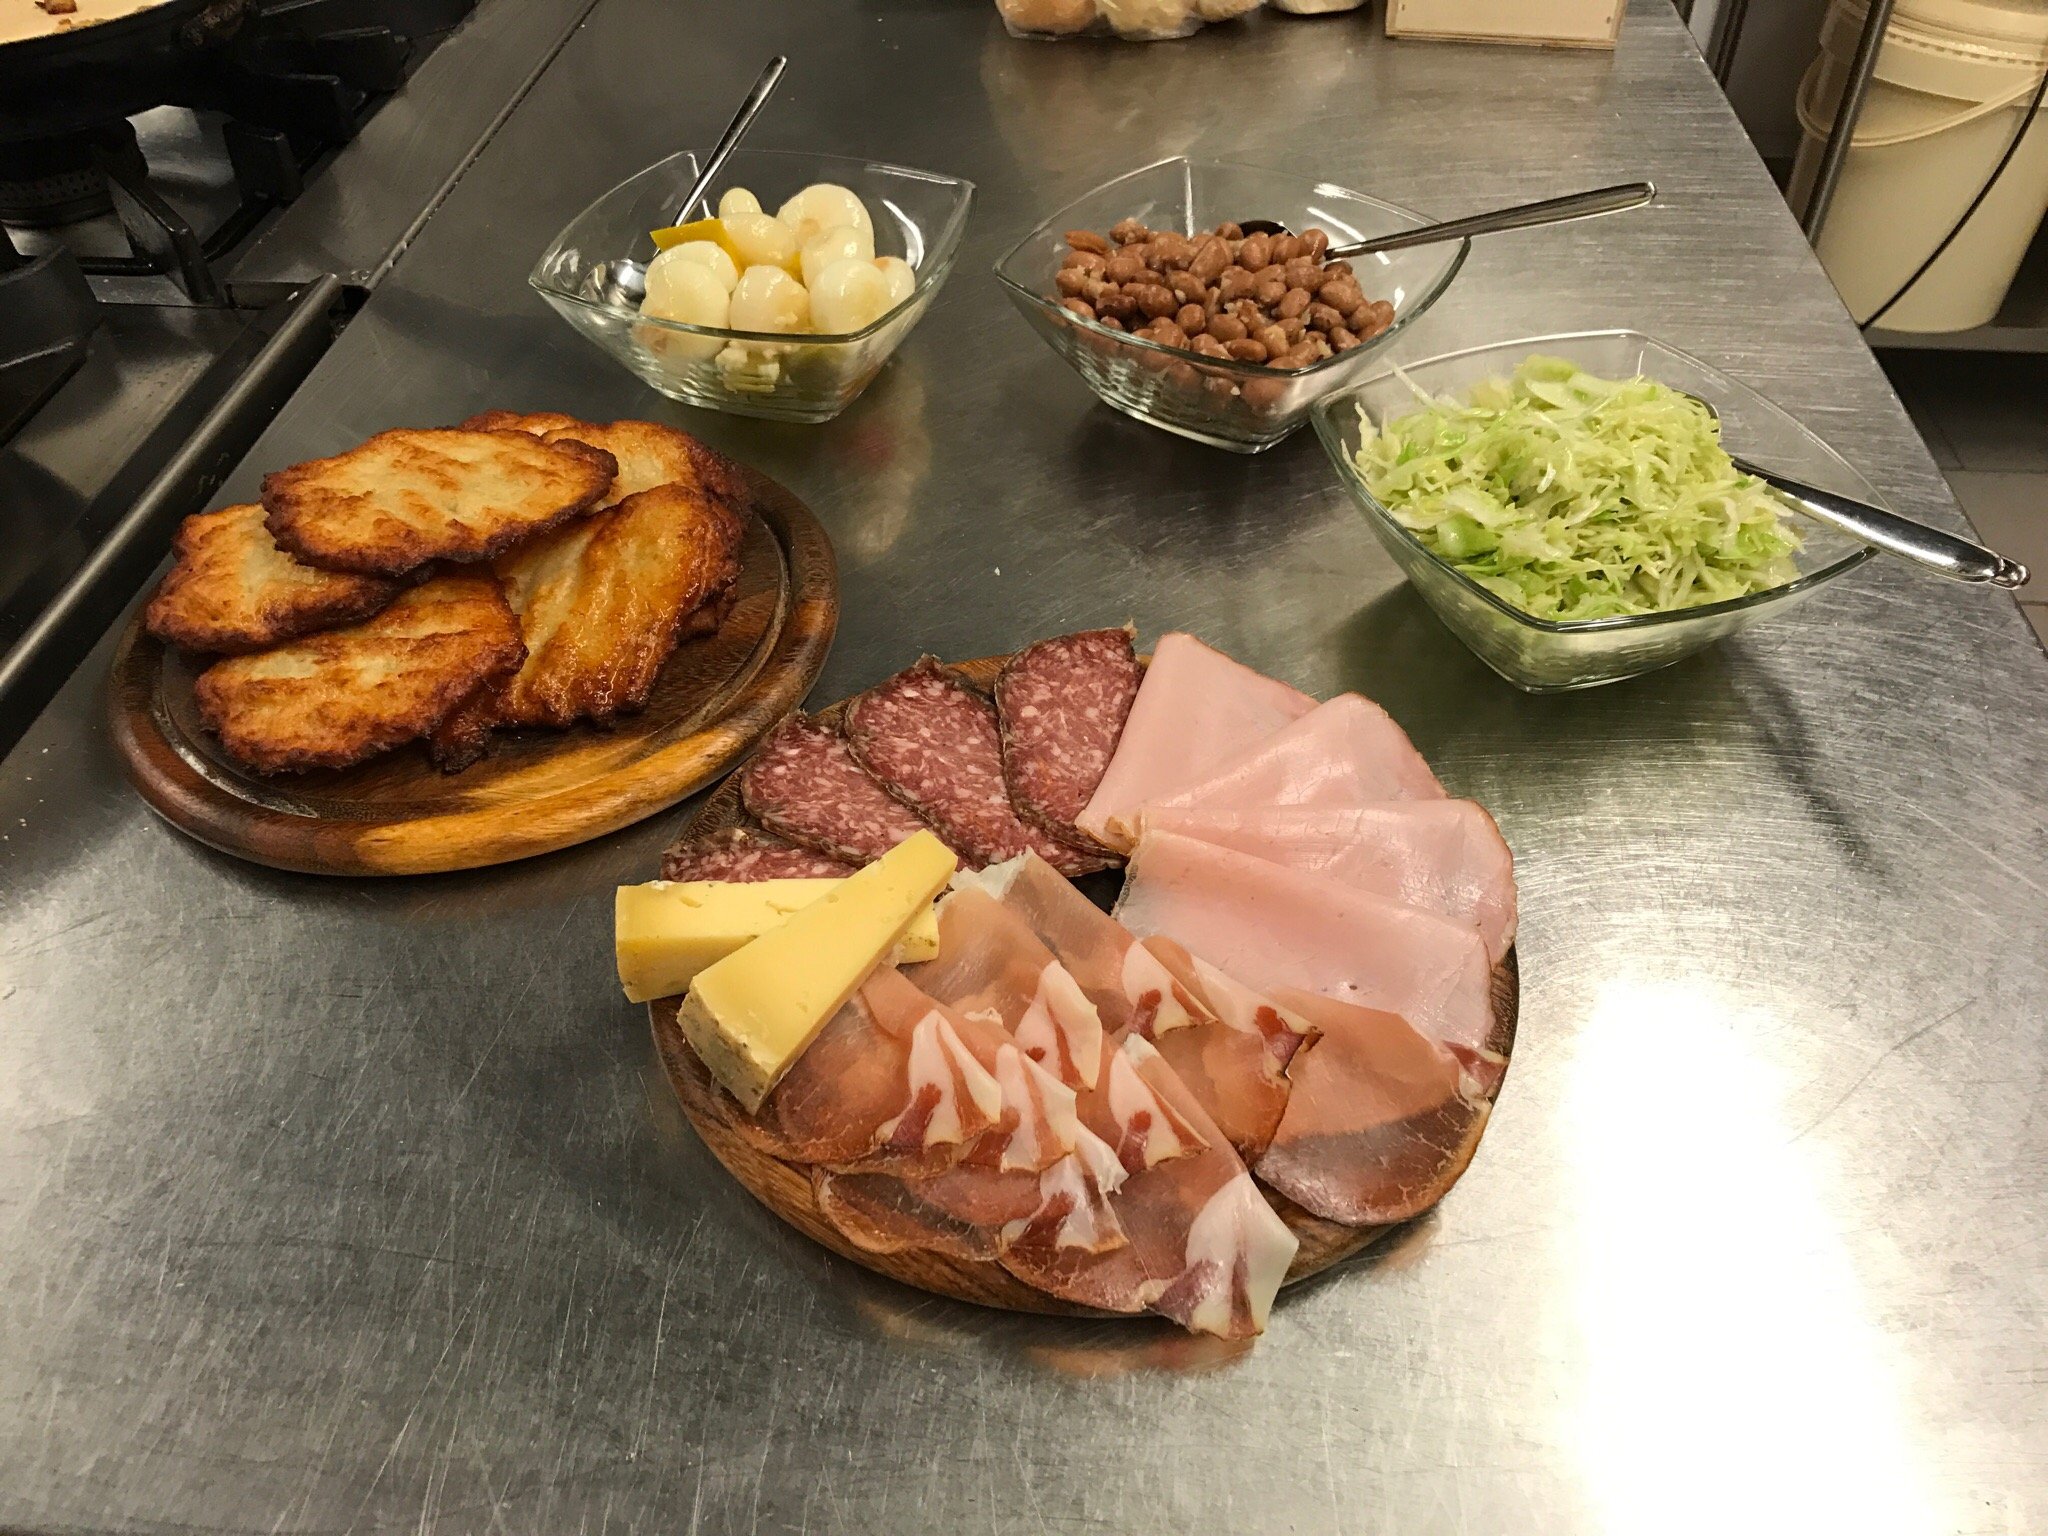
<point x="1565" y="505"/>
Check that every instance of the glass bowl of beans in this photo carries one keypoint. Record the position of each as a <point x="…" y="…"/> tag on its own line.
<point x="1152" y="290"/>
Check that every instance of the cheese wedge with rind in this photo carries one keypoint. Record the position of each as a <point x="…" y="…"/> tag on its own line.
<point x="750" y="1015"/>
<point x="666" y="931"/>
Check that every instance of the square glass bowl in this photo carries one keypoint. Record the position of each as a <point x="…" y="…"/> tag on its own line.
<point x="1240" y="406"/>
<point x="918" y="215"/>
<point x="1543" y="655"/>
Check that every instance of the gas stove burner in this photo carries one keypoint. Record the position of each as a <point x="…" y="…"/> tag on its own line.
<point x="63" y="178"/>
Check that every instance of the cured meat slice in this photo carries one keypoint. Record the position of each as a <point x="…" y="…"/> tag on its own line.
<point x="1347" y="752"/>
<point x="933" y="742"/>
<point x="1235" y="1067"/>
<point x="1196" y="709"/>
<point x="879" y="1213"/>
<point x="1381" y="1122"/>
<point x="1061" y="704"/>
<point x="1272" y="927"/>
<point x="890" y="1081"/>
<point x="805" y="786"/>
<point x="1444" y="856"/>
<point x="744" y="854"/>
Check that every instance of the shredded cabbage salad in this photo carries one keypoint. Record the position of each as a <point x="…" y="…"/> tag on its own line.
<point x="1575" y="497"/>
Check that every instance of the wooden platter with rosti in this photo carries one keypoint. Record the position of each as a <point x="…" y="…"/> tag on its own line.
<point x="450" y="647"/>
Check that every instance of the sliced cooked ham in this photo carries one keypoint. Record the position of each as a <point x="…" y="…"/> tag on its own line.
<point x="1444" y="856"/>
<point x="1381" y="1122"/>
<point x="1347" y="752"/>
<point x="1233" y="1066"/>
<point x="1195" y="710"/>
<point x="1272" y="927"/>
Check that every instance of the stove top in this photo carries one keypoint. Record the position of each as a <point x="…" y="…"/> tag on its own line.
<point x="135" y="368"/>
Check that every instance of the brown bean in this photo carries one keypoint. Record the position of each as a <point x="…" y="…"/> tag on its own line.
<point x="1250" y="313"/>
<point x="1229" y="231"/>
<point x="1273" y="339"/>
<point x="1085" y="261"/>
<point x="1342" y="294"/>
<point x="1220" y="384"/>
<point x="1359" y="317"/>
<point x="1314" y="242"/>
<point x="1245" y="350"/>
<point x="1079" y="307"/>
<point x="1286" y="248"/>
<point x="1343" y="339"/>
<point x="1153" y="298"/>
<point x="1318" y="343"/>
<point x="1187" y="287"/>
<point x="1071" y="281"/>
<point x="1124" y="231"/>
<point x="1191" y="318"/>
<point x="1173" y="250"/>
<point x="1235" y="283"/>
<point x="1270" y="290"/>
<point x="1208" y="346"/>
<point x="1336" y="269"/>
<point x="1261" y="395"/>
<point x="1299" y="356"/>
<point x="1109" y="322"/>
<point x="1123" y="268"/>
<point x="1114" y="305"/>
<point x="1087" y="240"/>
<point x="1321" y="317"/>
<point x="1293" y="303"/>
<point x="1255" y="252"/>
<point x="1293" y="327"/>
<point x="1166" y="333"/>
<point x="1227" y="328"/>
<point x="1210" y="258"/>
<point x="1182" y="375"/>
<point x="1302" y="273"/>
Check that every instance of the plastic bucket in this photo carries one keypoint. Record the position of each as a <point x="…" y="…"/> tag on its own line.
<point x="1953" y="79"/>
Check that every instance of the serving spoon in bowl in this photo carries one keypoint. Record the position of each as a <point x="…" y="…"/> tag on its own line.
<point x="1551" y="210"/>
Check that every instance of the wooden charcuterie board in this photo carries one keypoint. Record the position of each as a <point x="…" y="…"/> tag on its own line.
<point x="785" y="1188"/>
<point x="538" y="790"/>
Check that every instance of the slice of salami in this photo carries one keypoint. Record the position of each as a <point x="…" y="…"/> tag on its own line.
<point x="933" y="742"/>
<point x="804" y="785"/>
<point x="1062" y="704"/>
<point x="745" y="854"/>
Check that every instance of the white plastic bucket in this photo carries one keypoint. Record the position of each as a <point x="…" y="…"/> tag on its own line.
<point x="1952" y="82"/>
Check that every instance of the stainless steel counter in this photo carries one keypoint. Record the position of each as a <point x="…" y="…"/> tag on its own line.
<point x="344" y="1206"/>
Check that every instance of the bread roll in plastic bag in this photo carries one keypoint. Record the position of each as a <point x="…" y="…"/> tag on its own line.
<point x="1138" y="21"/>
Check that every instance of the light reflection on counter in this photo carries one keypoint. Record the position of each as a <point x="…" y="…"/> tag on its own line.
<point x="1733" y="1379"/>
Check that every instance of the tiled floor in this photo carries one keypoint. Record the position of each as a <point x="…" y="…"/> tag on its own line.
<point x="1986" y="420"/>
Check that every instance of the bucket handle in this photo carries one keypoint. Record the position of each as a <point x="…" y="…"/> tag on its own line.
<point x="1810" y="118"/>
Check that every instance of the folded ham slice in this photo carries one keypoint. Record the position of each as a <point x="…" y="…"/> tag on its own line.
<point x="1445" y="856"/>
<point x="1347" y="752"/>
<point x="1272" y="927"/>
<point x="1235" y="1066"/>
<point x="1196" y="709"/>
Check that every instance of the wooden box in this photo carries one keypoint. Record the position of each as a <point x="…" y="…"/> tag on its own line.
<point x="1553" y="23"/>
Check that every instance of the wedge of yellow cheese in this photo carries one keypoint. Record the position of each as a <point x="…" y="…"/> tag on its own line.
<point x="668" y="930"/>
<point x="751" y="1014"/>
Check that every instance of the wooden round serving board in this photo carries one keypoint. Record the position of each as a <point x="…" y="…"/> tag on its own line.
<point x="785" y="1188"/>
<point x="538" y="790"/>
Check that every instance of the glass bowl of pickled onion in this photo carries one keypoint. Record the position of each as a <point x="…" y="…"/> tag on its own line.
<point x="781" y="370"/>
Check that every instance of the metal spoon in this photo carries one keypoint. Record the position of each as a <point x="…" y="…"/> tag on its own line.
<point x="624" y="282"/>
<point x="1552" y="210"/>
<point x="1943" y="553"/>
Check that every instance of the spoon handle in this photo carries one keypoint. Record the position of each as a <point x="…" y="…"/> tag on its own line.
<point x="1552" y="210"/>
<point x="1945" y="553"/>
<point x="735" y="130"/>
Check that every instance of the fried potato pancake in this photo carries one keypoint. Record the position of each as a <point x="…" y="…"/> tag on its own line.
<point x="406" y="497"/>
<point x="602" y="605"/>
<point x="533" y="423"/>
<point x="233" y="590"/>
<point x="333" y="699"/>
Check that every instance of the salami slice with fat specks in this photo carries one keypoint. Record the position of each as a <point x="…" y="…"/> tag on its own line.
<point x="1062" y="703"/>
<point x="933" y="742"/>
<point x="805" y="786"/>
<point x="745" y="854"/>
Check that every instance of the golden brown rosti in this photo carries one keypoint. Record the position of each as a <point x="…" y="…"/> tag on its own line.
<point x="406" y="497"/>
<point x="333" y="699"/>
<point x="234" y="590"/>
<point x="601" y="606"/>
<point x="533" y="423"/>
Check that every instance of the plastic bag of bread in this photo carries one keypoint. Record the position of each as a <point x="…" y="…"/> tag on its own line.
<point x="1133" y="20"/>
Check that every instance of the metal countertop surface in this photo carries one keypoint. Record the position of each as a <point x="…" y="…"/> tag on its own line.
<point x="359" y="1206"/>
